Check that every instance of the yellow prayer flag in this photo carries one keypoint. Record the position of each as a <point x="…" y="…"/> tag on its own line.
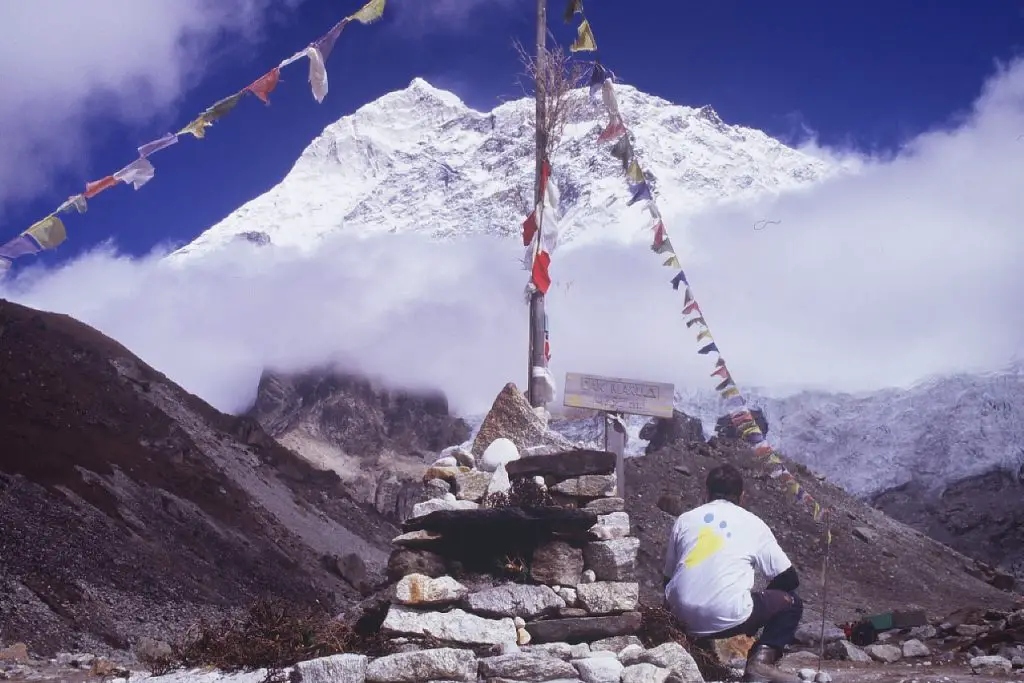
<point x="774" y="459"/>
<point x="817" y="512"/>
<point x="198" y="127"/>
<point x="673" y="262"/>
<point x="635" y="173"/>
<point x="730" y="392"/>
<point x="793" y="486"/>
<point x="750" y="430"/>
<point x="703" y="334"/>
<point x="585" y="39"/>
<point x="49" y="232"/>
<point x="370" y="12"/>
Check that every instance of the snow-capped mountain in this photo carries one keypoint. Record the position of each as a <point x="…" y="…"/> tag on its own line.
<point x="936" y="433"/>
<point x="419" y="160"/>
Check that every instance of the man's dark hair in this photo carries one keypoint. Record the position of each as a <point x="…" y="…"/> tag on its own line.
<point x="725" y="483"/>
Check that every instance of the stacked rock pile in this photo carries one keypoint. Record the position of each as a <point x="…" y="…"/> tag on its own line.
<point x="523" y="573"/>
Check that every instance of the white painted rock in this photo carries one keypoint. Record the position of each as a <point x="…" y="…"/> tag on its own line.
<point x="446" y="503"/>
<point x="499" y="483"/>
<point x="446" y="461"/>
<point x="419" y="589"/>
<point x="501" y="452"/>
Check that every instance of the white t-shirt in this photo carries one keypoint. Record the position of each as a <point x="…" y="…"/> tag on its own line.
<point x="710" y="558"/>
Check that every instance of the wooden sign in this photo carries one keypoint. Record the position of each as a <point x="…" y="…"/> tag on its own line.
<point x="617" y="395"/>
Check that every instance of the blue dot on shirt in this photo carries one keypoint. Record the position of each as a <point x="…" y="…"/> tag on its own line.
<point x="722" y="525"/>
<point x="709" y="518"/>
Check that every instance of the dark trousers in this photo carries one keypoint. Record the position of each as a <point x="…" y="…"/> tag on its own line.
<point x="777" y="612"/>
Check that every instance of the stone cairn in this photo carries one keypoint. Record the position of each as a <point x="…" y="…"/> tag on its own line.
<point x="520" y="570"/>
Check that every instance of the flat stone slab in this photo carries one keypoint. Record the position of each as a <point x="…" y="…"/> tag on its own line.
<point x="487" y="521"/>
<point x="523" y="666"/>
<point x="425" y="665"/>
<point x="563" y="465"/>
<point x="583" y="629"/>
<point x="455" y="626"/>
<point x="514" y="600"/>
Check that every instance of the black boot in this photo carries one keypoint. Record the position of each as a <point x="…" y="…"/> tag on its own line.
<point x="761" y="667"/>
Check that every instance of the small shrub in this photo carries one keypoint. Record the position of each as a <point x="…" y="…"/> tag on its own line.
<point x="272" y="635"/>
<point x="658" y="626"/>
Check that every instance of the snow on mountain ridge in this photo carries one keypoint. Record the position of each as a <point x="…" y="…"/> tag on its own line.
<point x="419" y="159"/>
<point x="936" y="433"/>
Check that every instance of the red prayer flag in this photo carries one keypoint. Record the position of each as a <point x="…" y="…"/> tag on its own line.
<point x="529" y="228"/>
<point x="541" y="278"/>
<point x="95" y="187"/>
<point x="265" y="85"/>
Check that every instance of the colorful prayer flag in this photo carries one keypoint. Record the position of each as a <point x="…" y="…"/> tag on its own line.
<point x="694" y="306"/>
<point x="575" y="7"/>
<point x="265" y="84"/>
<point x="635" y="173"/>
<point x="22" y="245"/>
<point x="722" y="371"/>
<point x="703" y="334"/>
<point x="623" y="151"/>
<point x="724" y="383"/>
<point x="696" y="321"/>
<point x="597" y="78"/>
<point x="95" y="187"/>
<point x="641" y="191"/>
<point x="326" y="43"/>
<point x="708" y="349"/>
<point x="137" y="173"/>
<point x="529" y="228"/>
<point x="541" y="276"/>
<point x="49" y="232"/>
<point x="77" y="203"/>
<point x="158" y="144"/>
<point x="679" y="278"/>
<point x="672" y="262"/>
<point x="614" y="129"/>
<point x="370" y="12"/>
<point x="585" y="41"/>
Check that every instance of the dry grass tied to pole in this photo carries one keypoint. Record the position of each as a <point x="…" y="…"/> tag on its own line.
<point x="557" y="78"/>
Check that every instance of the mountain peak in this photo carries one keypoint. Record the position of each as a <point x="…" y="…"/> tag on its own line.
<point x="421" y="160"/>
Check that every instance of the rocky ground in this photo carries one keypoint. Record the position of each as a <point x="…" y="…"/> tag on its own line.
<point x="876" y="563"/>
<point x="981" y="516"/>
<point x="129" y="508"/>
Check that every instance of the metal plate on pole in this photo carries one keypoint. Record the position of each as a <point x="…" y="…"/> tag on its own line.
<point x="617" y="395"/>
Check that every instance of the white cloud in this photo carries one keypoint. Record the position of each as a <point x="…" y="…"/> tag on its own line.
<point x="68" y="66"/>
<point x="909" y="267"/>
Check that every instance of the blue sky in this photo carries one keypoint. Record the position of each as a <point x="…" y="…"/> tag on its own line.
<point x="866" y="75"/>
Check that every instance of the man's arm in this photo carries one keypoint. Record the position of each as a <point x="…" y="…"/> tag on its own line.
<point x="786" y="581"/>
<point x="776" y="565"/>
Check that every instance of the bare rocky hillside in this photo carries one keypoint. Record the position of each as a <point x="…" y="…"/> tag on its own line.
<point x="129" y="507"/>
<point x="377" y="439"/>
<point x="877" y="564"/>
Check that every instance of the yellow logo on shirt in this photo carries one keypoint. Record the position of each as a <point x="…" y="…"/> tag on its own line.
<point x="709" y="541"/>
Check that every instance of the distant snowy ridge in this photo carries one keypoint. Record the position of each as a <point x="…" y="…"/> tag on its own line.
<point x="937" y="433"/>
<point x="419" y="160"/>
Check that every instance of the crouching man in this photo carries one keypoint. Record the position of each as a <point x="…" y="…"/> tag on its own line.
<point x="709" y="577"/>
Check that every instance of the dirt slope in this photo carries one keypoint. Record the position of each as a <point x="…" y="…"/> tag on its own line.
<point x="129" y="507"/>
<point x="898" y="568"/>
